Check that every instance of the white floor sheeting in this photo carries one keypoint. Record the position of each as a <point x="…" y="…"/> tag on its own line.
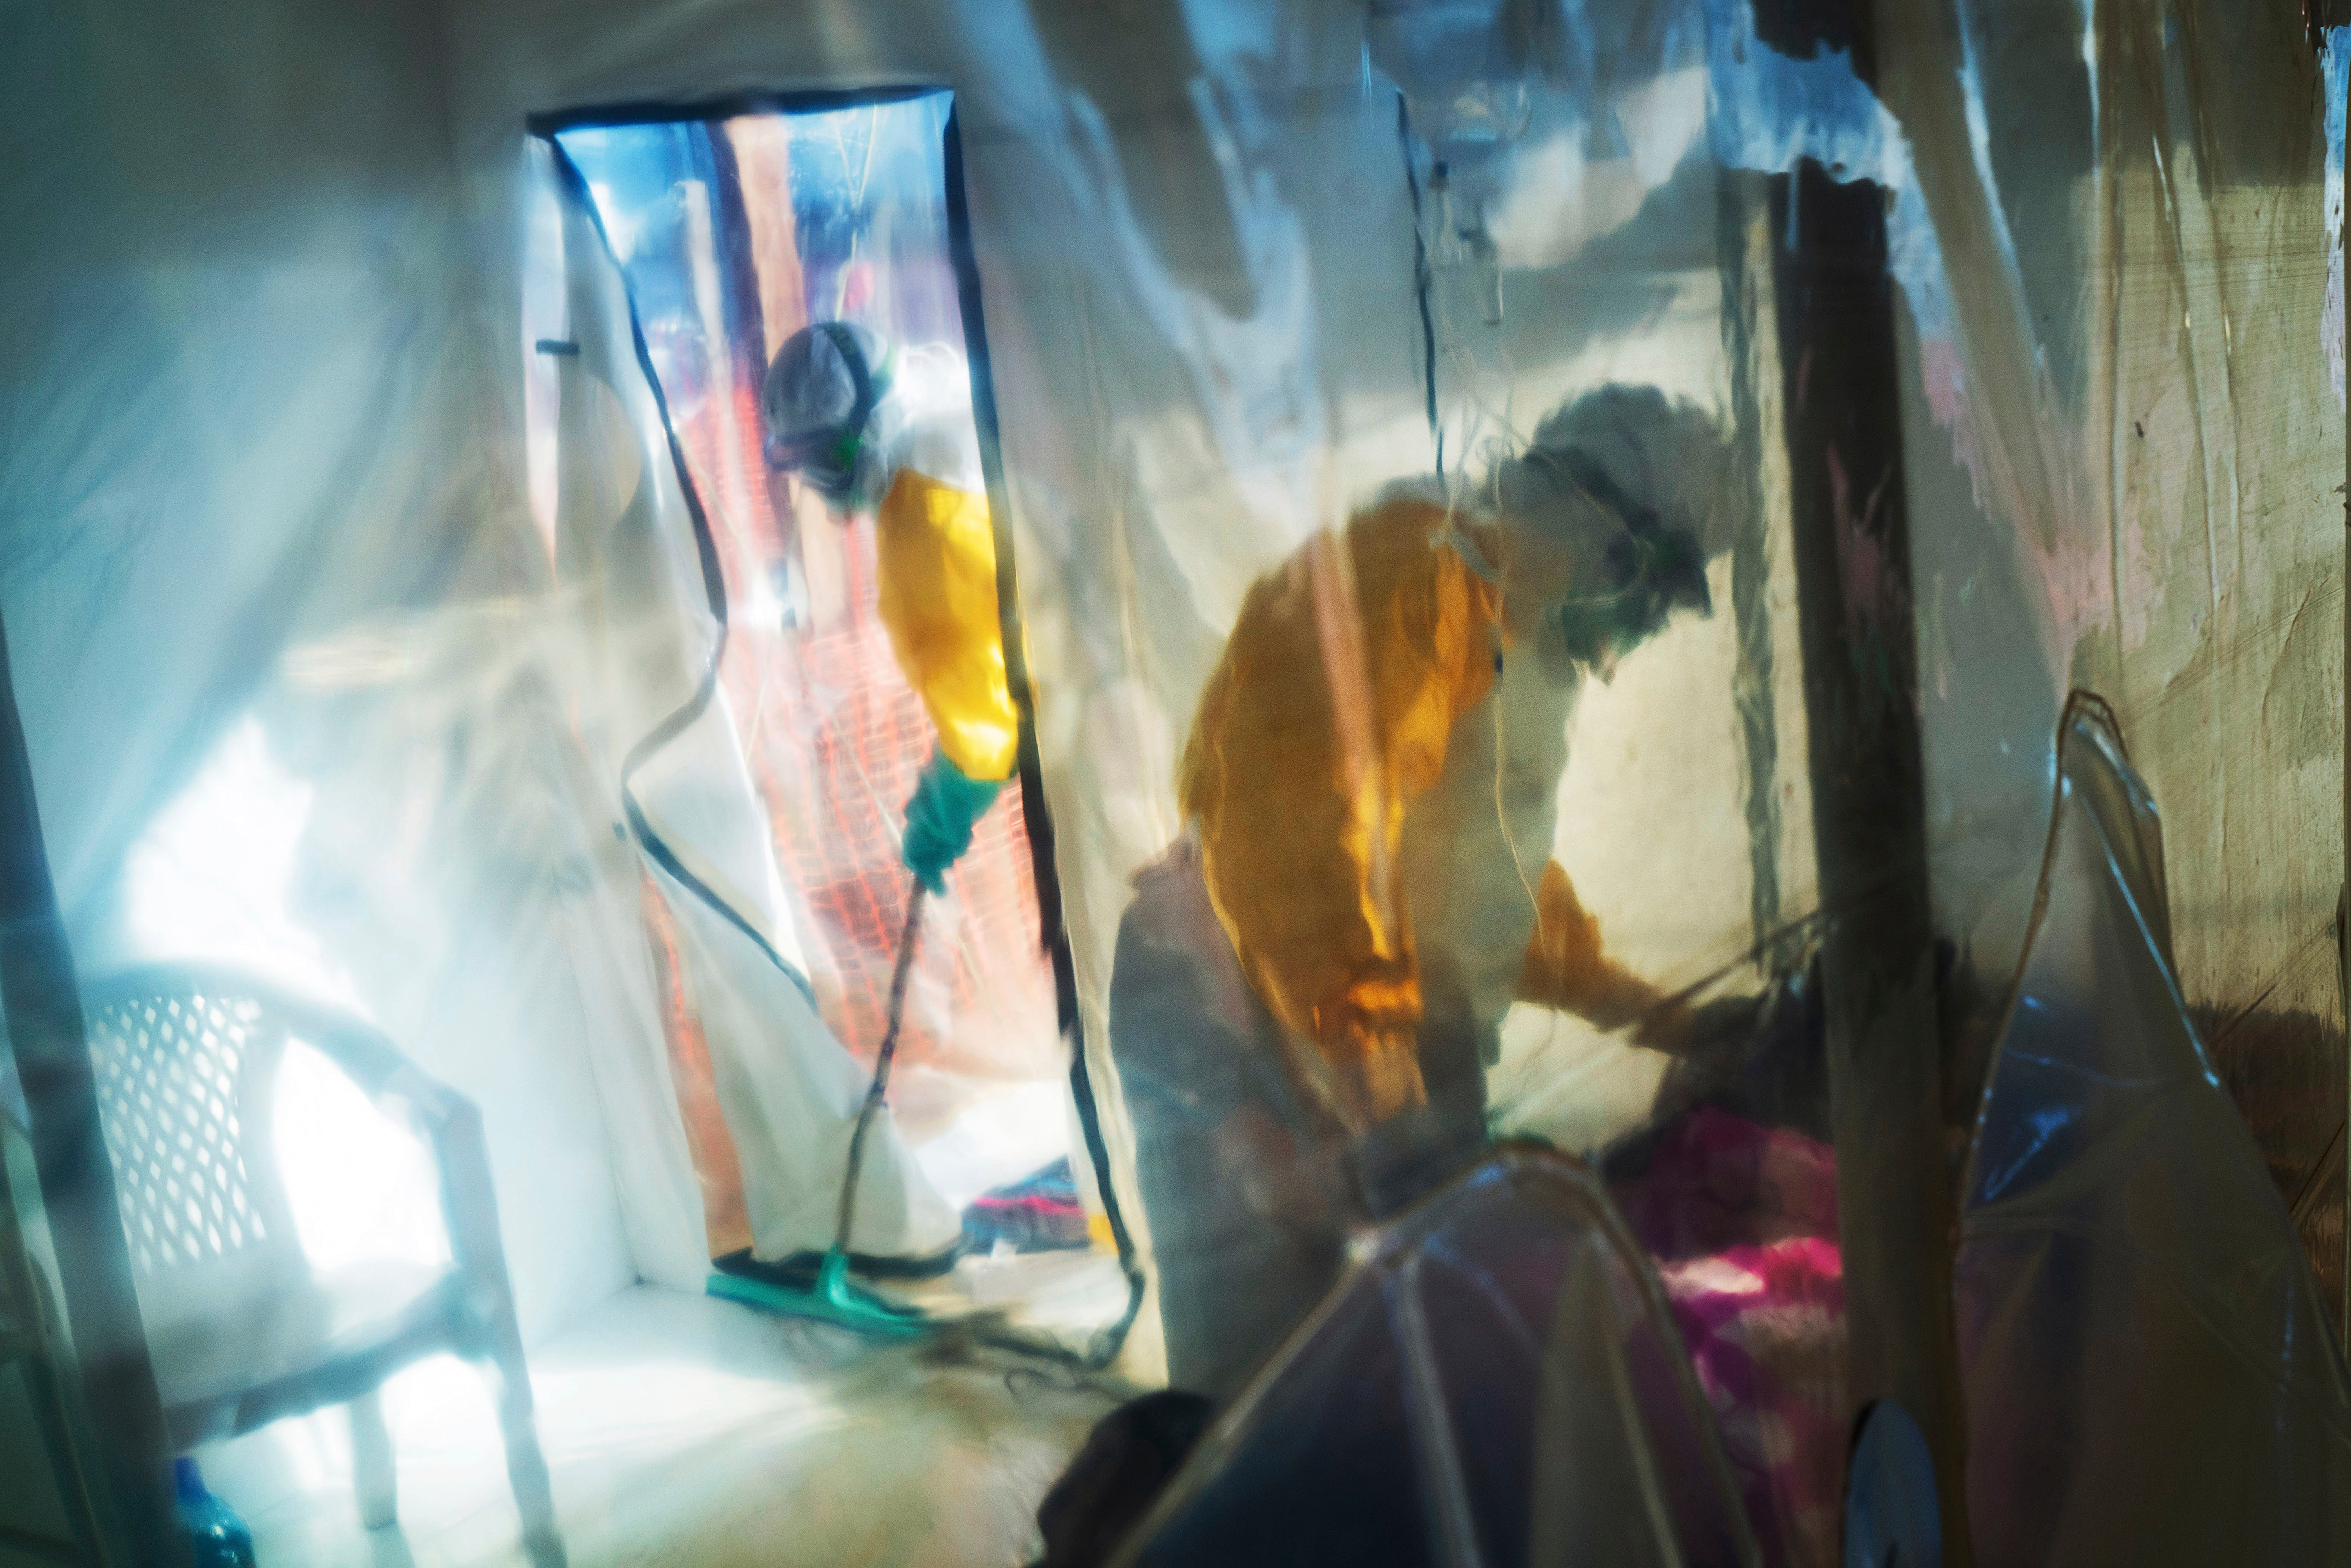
<point x="687" y="1431"/>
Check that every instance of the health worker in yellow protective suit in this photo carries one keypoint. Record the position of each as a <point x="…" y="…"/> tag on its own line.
<point x="829" y="415"/>
<point x="1310" y="985"/>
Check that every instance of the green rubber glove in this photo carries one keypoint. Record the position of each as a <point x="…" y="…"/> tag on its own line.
<point x="939" y="820"/>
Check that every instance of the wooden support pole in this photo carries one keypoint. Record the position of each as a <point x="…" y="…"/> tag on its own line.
<point x="2339" y="13"/>
<point x="1844" y="423"/>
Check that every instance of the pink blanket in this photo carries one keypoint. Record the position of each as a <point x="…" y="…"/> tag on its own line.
<point x="1742" y="1219"/>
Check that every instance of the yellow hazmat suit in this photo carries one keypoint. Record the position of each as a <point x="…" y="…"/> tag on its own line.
<point x="935" y="554"/>
<point x="1301" y="784"/>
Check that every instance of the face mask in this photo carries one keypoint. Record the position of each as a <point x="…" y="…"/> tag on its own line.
<point x="830" y="463"/>
<point x="836" y="461"/>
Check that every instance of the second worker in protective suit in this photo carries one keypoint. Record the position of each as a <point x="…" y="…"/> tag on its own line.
<point x="1310" y="985"/>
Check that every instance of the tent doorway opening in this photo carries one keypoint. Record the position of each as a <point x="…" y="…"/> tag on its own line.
<point x="736" y="229"/>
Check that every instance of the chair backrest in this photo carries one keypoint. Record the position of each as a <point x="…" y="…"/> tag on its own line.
<point x="186" y="1067"/>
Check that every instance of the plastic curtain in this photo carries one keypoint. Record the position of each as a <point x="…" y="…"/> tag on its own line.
<point x="2127" y="1269"/>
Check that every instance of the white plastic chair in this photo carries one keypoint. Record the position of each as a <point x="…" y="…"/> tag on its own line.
<point x="243" y="1332"/>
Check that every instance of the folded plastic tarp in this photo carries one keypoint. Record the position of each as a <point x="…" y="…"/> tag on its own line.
<point x="1498" y="1380"/>
<point x="2149" y="1373"/>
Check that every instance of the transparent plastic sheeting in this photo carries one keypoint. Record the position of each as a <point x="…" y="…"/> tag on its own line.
<point x="2149" y="1371"/>
<point x="2127" y="1275"/>
<point x="733" y="234"/>
<point x="1496" y="1382"/>
<point x="276" y="364"/>
<point x="328" y="668"/>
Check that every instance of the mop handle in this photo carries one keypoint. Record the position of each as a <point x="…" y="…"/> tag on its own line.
<point x="881" y="1085"/>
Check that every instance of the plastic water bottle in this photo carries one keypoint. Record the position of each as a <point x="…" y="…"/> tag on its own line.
<point x="217" y="1536"/>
